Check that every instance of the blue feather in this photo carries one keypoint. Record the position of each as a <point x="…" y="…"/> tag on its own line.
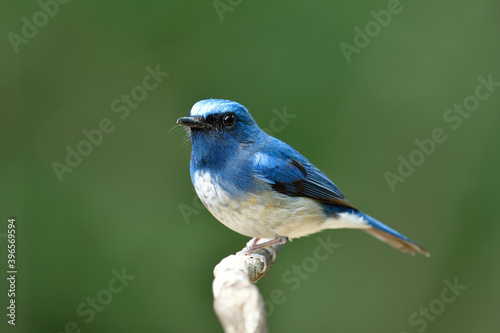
<point x="292" y="174"/>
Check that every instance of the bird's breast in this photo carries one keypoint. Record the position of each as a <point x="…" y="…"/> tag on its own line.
<point x="261" y="212"/>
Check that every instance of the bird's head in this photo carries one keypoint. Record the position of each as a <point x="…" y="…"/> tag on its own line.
<point x="218" y="128"/>
<point x="220" y="121"/>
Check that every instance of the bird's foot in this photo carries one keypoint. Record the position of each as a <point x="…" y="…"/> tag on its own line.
<point x="253" y="246"/>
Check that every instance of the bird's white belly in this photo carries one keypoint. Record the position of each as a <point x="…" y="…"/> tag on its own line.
<point x="267" y="214"/>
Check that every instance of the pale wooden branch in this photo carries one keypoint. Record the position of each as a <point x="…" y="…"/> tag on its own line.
<point x="237" y="301"/>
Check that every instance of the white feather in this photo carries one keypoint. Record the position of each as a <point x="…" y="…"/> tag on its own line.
<point x="202" y="108"/>
<point x="268" y="214"/>
<point x="346" y="220"/>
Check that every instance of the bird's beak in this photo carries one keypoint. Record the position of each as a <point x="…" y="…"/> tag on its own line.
<point x="192" y="122"/>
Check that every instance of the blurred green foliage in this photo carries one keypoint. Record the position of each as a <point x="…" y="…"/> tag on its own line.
<point x="119" y="207"/>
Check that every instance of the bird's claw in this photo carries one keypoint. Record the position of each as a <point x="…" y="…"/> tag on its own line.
<point x="268" y="245"/>
<point x="246" y="252"/>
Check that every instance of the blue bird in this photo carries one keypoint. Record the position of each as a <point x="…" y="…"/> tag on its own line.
<point x="261" y="187"/>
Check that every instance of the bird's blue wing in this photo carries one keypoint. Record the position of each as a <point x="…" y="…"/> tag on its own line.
<point x="290" y="173"/>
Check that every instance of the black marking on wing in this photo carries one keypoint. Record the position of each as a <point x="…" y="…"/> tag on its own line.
<point x="314" y="185"/>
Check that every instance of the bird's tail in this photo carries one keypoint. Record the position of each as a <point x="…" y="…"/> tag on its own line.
<point x="391" y="236"/>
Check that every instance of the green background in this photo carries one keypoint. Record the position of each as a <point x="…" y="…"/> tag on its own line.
<point x="121" y="206"/>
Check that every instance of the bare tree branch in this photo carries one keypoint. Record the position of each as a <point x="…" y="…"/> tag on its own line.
<point x="237" y="301"/>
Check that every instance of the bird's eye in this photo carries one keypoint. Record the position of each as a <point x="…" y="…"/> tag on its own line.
<point x="229" y="119"/>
